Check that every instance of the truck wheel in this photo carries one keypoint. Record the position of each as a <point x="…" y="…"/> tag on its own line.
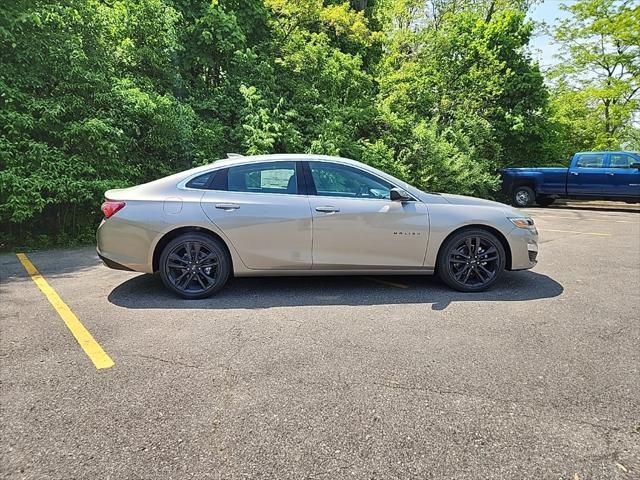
<point x="523" y="197"/>
<point x="545" y="202"/>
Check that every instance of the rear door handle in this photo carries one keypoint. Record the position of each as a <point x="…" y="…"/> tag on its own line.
<point x="610" y="174"/>
<point x="227" y="206"/>
<point x="327" y="209"/>
<point x="574" y="173"/>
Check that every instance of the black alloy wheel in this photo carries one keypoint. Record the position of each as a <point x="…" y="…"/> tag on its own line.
<point x="194" y="265"/>
<point x="471" y="261"/>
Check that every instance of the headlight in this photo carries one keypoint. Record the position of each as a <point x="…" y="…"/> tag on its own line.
<point x="523" y="222"/>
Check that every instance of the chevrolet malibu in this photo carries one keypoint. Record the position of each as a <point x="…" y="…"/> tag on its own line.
<point x="306" y="215"/>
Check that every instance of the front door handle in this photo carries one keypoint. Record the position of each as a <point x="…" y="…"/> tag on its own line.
<point x="574" y="173"/>
<point x="327" y="209"/>
<point x="610" y="174"/>
<point x="227" y="206"/>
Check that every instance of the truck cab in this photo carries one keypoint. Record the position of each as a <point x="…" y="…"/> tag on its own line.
<point x="609" y="175"/>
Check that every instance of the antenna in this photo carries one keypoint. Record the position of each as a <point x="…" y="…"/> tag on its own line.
<point x="234" y="155"/>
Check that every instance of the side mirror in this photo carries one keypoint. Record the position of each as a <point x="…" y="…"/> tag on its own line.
<point x="635" y="165"/>
<point x="399" y="195"/>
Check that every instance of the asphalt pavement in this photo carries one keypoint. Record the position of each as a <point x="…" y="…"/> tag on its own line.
<point x="335" y="377"/>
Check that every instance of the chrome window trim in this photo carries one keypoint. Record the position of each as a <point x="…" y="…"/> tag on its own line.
<point x="387" y="200"/>
<point x="182" y="184"/>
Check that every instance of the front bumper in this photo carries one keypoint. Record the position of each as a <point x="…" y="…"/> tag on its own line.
<point x="524" y="248"/>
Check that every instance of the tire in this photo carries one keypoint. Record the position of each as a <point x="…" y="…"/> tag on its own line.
<point x="545" y="201"/>
<point x="183" y="260"/>
<point x="462" y="269"/>
<point x="523" y="197"/>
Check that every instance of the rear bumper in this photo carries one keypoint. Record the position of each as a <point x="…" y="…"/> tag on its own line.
<point x="123" y="245"/>
<point x="113" y="265"/>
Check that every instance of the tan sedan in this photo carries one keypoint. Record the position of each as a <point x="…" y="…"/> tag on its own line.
<point x="306" y="215"/>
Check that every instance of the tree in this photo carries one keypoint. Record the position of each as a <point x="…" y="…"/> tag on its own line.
<point x="85" y="105"/>
<point x="460" y="96"/>
<point x="97" y="95"/>
<point x="597" y="82"/>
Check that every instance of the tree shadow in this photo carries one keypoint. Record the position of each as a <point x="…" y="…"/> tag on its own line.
<point x="51" y="263"/>
<point x="147" y="292"/>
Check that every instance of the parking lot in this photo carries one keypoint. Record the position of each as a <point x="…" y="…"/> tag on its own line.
<point x="339" y="377"/>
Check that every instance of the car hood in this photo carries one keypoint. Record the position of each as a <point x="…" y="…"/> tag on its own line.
<point x="471" y="201"/>
<point x="463" y="200"/>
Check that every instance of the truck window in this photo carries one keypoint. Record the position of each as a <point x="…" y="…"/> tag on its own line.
<point x="621" y="160"/>
<point x="590" y="160"/>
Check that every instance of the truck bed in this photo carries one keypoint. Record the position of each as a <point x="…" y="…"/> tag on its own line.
<point x="549" y="180"/>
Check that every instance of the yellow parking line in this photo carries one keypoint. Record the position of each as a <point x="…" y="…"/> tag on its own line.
<point x="573" y="231"/>
<point x="92" y="348"/>
<point x="389" y="284"/>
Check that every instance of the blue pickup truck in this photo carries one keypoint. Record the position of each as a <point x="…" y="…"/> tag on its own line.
<point x="591" y="175"/>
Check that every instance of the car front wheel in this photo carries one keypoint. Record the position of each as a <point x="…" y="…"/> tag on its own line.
<point x="194" y="265"/>
<point x="471" y="260"/>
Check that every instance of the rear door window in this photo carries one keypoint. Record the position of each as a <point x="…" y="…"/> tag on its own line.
<point x="590" y="160"/>
<point x="268" y="177"/>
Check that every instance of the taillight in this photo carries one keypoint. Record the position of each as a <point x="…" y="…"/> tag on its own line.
<point x="109" y="208"/>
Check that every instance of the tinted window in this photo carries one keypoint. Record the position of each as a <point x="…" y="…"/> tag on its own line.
<point x="271" y="177"/>
<point x="621" y="160"/>
<point x="200" y="181"/>
<point x="335" y="180"/>
<point x="590" y="160"/>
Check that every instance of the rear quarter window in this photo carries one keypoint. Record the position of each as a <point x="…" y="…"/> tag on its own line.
<point x="201" y="181"/>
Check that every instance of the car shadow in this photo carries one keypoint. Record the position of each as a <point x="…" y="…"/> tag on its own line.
<point x="147" y="292"/>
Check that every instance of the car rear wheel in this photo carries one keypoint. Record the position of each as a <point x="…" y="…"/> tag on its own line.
<point x="523" y="197"/>
<point x="471" y="260"/>
<point x="194" y="265"/>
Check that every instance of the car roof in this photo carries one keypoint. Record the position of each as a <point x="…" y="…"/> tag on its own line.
<point x="243" y="159"/>
<point x="236" y="159"/>
<point x="607" y="151"/>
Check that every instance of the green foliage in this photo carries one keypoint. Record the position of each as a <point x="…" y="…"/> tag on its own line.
<point x="85" y="106"/>
<point x="597" y="84"/>
<point x="97" y="95"/>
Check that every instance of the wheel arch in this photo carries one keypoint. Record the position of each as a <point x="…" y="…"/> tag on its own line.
<point x="176" y="232"/>
<point x="479" y="226"/>
<point x="524" y="182"/>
